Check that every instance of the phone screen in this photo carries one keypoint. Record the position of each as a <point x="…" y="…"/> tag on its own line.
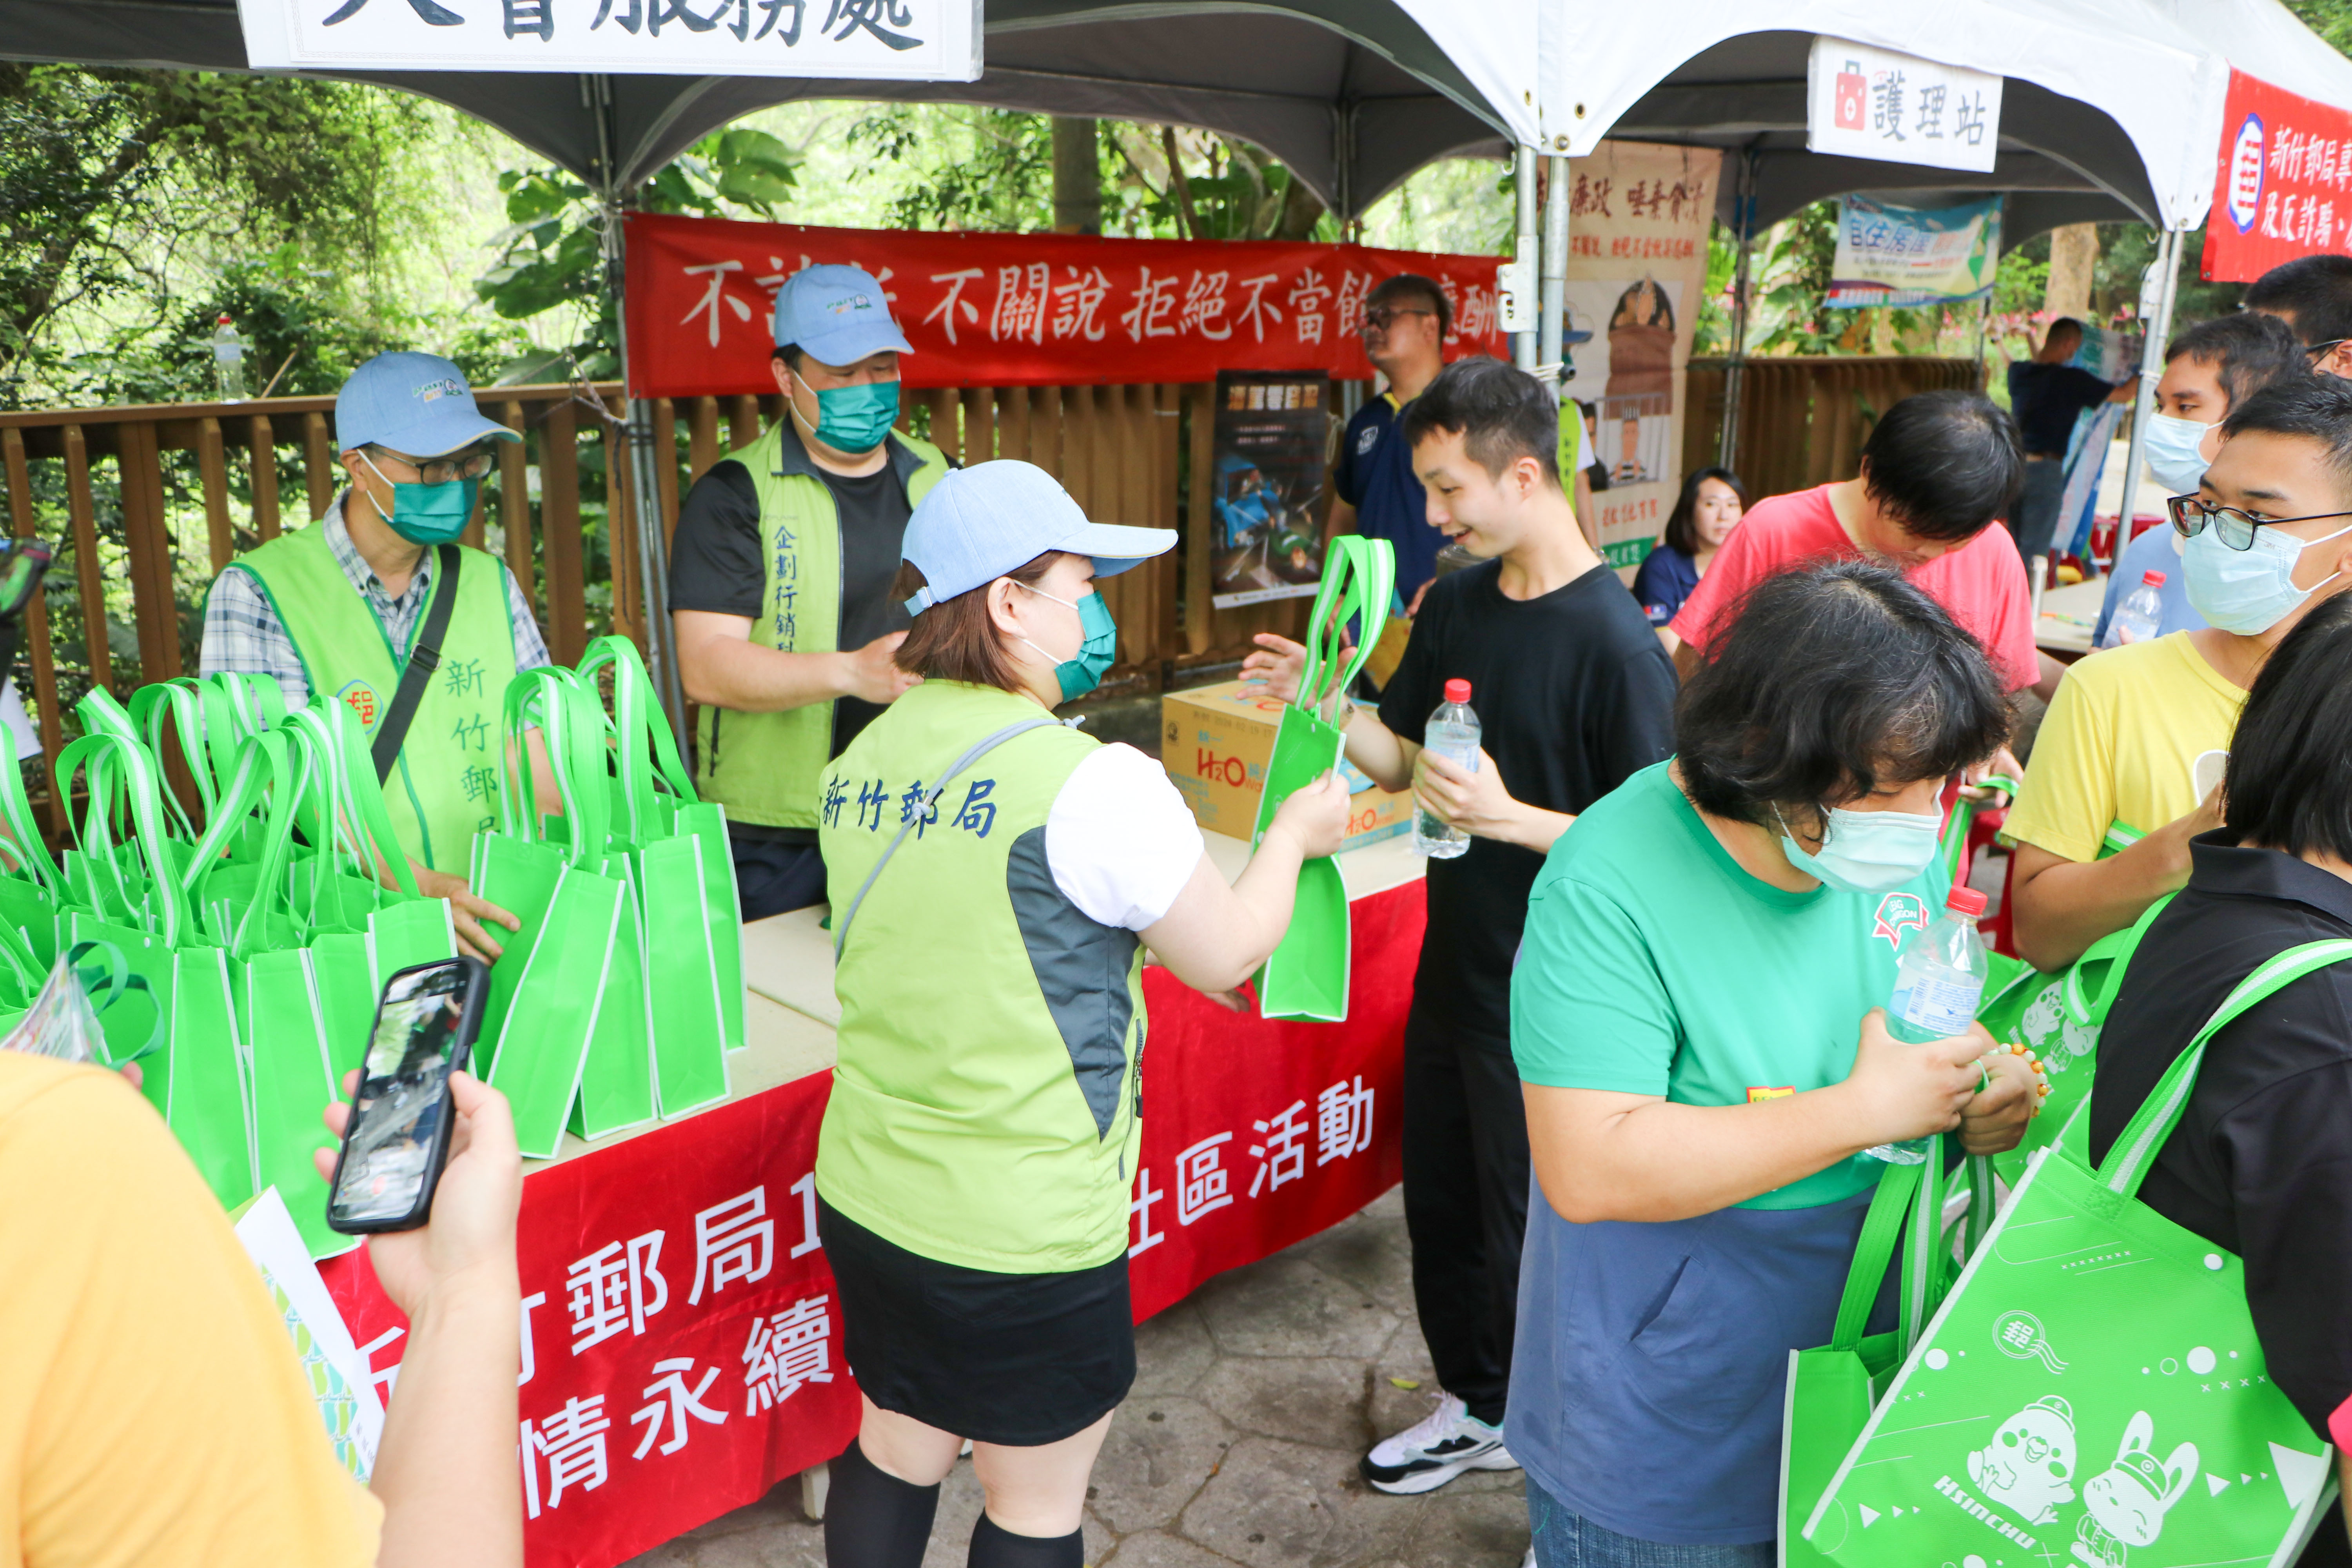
<point x="396" y="1126"/>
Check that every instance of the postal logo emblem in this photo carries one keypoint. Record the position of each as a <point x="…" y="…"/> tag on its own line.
<point x="1898" y="912"/>
<point x="360" y="697"/>
<point x="1757" y="1093"/>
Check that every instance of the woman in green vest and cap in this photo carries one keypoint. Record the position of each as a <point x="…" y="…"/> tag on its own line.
<point x="345" y="607"/>
<point x="994" y="877"/>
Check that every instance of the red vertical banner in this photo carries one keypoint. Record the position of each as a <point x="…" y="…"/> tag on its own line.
<point x="1027" y="310"/>
<point x="2281" y="181"/>
<point x="681" y="1336"/>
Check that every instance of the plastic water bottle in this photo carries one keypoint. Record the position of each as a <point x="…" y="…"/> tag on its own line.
<point x="228" y="361"/>
<point x="2141" y="613"/>
<point x="1452" y="733"/>
<point x="1940" y="976"/>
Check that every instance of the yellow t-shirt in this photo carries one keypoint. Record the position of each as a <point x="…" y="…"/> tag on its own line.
<point x="152" y="1411"/>
<point x="2121" y="745"/>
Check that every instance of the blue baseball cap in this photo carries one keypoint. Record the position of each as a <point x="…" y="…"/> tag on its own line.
<point x="414" y="403"/>
<point x="980" y="522"/>
<point x="836" y="315"/>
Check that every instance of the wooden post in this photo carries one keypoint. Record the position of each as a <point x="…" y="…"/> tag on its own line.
<point x="514" y="503"/>
<point x="743" y="421"/>
<point x="212" y="464"/>
<point x="559" y="520"/>
<point x="37" y="622"/>
<point x="621" y="534"/>
<point x="665" y="464"/>
<point x="264" y="478"/>
<point x="1200" y="525"/>
<point x="318" y="464"/>
<point x="139" y="465"/>
<point x="88" y="578"/>
<point x="702" y="438"/>
<point x="979" y="424"/>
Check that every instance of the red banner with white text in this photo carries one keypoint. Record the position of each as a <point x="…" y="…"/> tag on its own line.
<point x="1027" y="310"/>
<point x="2282" y="184"/>
<point x="681" y="1336"/>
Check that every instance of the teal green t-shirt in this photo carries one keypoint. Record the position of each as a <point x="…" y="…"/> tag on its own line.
<point x="1653" y="964"/>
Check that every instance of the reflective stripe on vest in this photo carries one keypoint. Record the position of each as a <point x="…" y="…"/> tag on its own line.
<point x="983" y="1107"/>
<point x="763" y="767"/>
<point x="445" y="785"/>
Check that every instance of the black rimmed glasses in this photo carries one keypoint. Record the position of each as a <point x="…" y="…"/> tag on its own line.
<point x="1379" y="318"/>
<point x="443" y="470"/>
<point x="2234" y="527"/>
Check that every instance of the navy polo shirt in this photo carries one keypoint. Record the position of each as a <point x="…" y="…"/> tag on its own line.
<point x="1375" y="476"/>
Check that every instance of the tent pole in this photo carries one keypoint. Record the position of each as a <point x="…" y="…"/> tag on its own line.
<point x="1735" y="370"/>
<point x="1524" y="350"/>
<point x="1551" y="324"/>
<point x="2151" y="364"/>
<point x="645" y="482"/>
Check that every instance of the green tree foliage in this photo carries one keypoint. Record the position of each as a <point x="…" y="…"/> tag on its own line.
<point x="107" y="178"/>
<point x="551" y="253"/>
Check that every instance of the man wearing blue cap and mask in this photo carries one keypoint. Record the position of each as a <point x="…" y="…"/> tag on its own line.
<point x="780" y="580"/>
<point x="378" y="605"/>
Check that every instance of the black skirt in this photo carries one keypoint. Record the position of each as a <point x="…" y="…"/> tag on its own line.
<point x="1022" y="1360"/>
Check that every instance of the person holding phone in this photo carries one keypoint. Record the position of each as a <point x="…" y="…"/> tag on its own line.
<point x="974" y="1167"/>
<point x="219" y="1459"/>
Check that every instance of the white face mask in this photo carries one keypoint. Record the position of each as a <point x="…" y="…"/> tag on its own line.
<point x="2249" y="590"/>
<point x="2176" y="454"/>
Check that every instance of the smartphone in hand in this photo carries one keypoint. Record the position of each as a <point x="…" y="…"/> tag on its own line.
<point x="398" y="1136"/>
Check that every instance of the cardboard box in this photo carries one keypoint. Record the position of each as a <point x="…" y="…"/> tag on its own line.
<point x="1215" y="741"/>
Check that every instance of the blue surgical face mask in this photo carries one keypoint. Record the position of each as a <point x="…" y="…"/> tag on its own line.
<point x="2174" y="453"/>
<point x="855" y="418"/>
<point x="1867" y="851"/>
<point x="427" y="514"/>
<point x="2248" y="591"/>
<point x="1095" y="653"/>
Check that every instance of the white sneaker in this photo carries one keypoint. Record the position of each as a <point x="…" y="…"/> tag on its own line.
<point x="1434" y="1450"/>
<point x="1529" y="1560"/>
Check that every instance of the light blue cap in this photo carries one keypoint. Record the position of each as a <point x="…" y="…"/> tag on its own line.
<point x="979" y="524"/>
<point x="836" y="316"/>
<point x="418" y="404"/>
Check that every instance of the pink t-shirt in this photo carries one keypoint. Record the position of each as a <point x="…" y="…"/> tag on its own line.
<point x="1981" y="584"/>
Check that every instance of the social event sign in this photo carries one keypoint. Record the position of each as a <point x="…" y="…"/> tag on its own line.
<point x="919" y="40"/>
<point x="1027" y="310"/>
<point x="2282" y="186"/>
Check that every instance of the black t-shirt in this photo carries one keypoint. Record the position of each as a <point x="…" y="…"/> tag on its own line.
<point x="715" y="564"/>
<point x="2260" y="1161"/>
<point x="2046" y="397"/>
<point x="1574" y="694"/>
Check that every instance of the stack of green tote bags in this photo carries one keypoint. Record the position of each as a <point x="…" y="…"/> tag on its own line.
<point x="237" y="951"/>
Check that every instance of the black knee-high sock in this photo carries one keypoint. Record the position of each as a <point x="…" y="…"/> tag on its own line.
<point x="873" y="1520"/>
<point x="994" y="1546"/>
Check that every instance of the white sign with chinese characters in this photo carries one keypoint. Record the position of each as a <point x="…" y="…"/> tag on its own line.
<point x="1867" y="103"/>
<point x="917" y="40"/>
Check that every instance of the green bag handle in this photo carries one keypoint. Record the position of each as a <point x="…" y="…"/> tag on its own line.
<point x="2134" y="1154"/>
<point x="2115" y="949"/>
<point x="1909" y="1204"/>
<point x="98" y="712"/>
<point x="268" y="765"/>
<point x="571" y="720"/>
<point x="347" y="780"/>
<point x="1924" y="1278"/>
<point x="24" y="845"/>
<point x="179" y="702"/>
<point x="114" y="759"/>
<point x="645" y="751"/>
<point x="1358" y="578"/>
<point x="1873" y="1251"/>
<point x="108" y="982"/>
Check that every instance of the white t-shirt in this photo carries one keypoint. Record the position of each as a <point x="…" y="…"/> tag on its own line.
<point x="17" y="722"/>
<point x="1120" y="839"/>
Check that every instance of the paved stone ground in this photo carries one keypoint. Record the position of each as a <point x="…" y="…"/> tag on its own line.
<point x="1253" y="1399"/>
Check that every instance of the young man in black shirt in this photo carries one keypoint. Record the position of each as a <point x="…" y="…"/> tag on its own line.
<point x="779" y="580"/>
<point x="1573" y="695"/>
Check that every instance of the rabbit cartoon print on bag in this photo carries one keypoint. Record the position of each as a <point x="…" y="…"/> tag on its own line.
<point x="2029" y="1466"/>
<point x="2126" y="1506"/>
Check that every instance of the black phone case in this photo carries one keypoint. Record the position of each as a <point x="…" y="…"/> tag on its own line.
<point x="469" y="1025"/>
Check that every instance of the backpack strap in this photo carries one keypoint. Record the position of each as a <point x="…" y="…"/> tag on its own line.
<point x="2134" y="1154"/>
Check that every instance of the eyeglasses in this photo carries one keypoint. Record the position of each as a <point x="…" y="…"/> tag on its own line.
<point x="444" y="471"/>
<point x="2235" y="528"/>
<point x="2321" y="350"/>
<point x="1378" y="318"/>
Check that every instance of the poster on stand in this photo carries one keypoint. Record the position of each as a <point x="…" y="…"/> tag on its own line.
<point x="1638" y="217"/>
<point x="1267" y="473"/>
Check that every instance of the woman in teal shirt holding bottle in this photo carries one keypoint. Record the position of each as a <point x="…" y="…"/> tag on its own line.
<point x="1704" y="948"/>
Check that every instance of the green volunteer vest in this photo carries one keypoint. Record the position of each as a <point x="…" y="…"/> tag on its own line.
<point x="973" y="1119"/>
<point x="446" y="784"/>
<point x="763" y="767"/>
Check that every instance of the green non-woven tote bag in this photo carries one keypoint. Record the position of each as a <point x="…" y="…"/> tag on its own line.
<point x="2091" y="1392"/>
<point x="1831" y="1389"/>
<point x="690" y="921"/>
<point x="29" y="880"/>
<point x="552" y="995"/>
<point x="1306" y="976"/>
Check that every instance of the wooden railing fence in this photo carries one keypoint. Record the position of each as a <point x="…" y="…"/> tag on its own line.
<point x="145" y="503"/>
